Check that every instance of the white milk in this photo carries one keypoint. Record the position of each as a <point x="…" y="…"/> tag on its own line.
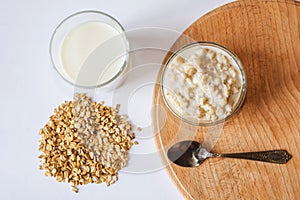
<point x="93" y="53"/>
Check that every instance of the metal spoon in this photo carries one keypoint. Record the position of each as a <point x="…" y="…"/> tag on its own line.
<point x="191" y="154"/>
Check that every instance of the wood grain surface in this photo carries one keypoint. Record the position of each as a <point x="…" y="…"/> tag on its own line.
<point x="265" y="36"/>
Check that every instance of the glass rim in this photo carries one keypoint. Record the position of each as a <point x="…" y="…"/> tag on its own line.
<point x="125" y="39"/>
<point x="239" y="103"/>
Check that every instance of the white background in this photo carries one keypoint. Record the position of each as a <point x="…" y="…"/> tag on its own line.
<point x="31" y="89"/>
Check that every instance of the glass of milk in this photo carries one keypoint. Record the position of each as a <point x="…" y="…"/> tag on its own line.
<point x="89" y="49"/>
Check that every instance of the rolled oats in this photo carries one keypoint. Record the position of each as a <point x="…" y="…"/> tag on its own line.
<point x="85" y="142"/>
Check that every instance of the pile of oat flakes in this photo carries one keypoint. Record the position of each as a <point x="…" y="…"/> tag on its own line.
<point x="85" y="142"/>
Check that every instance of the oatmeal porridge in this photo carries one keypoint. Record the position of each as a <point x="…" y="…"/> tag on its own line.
<point x="202" y="82"/>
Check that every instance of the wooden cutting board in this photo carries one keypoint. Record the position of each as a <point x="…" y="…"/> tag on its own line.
<point x="265" y="35"/>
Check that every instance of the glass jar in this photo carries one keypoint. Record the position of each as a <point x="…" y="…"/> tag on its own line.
<point x="176" y="81"/>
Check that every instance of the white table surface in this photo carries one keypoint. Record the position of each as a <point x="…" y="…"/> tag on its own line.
<point x="31" y="89"/>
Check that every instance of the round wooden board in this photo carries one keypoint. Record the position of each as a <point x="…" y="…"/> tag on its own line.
<point x="265" y="35"/>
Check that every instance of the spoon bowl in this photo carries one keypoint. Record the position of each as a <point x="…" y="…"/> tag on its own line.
<point x="183" y="154"/>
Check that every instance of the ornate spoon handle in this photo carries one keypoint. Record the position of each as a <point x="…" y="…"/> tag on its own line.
<point x="273" y="156"/>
